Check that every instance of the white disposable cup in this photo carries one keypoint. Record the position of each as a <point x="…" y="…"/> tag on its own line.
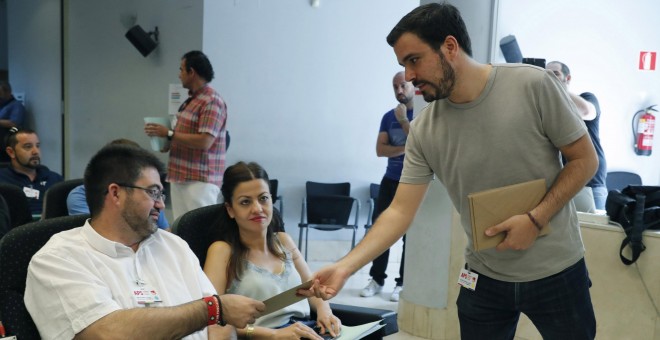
<point x="158" y="143"/>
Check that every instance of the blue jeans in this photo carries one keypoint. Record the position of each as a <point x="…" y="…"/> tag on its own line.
<point x="600" y="196"/>
<point x="559" y="306"/>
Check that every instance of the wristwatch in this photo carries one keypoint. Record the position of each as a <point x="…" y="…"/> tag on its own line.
<point x="170" y="134"/>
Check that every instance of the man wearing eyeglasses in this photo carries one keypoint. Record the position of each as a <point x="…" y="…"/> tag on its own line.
<point x="76" y="201"/>
<point x="106" y="277"/>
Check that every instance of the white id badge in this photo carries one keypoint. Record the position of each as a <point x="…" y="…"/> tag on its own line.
<point x="143" y="295"/>
<point x="154" y="295"/>
<point x="468" y="279"/>
<point x="31" y="193"/>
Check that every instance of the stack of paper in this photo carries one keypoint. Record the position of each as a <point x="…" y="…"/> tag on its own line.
<point x="359" y="332"/>
<point x="491" y="207"/>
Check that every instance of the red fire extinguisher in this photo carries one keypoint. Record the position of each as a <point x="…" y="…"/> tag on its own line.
<point x="643" y="127"/>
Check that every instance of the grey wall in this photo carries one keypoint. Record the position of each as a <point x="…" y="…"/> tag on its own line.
<point x="110" y="86"/>
<point x="34" y="61"/>
<point x="600" y="41"/>
<point x="3" y="35"/>
<point x="306" y="88"/>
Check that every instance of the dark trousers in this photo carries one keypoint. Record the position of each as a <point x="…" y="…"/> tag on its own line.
<point x="379" y="265"/>
<point x="559" y="306"/>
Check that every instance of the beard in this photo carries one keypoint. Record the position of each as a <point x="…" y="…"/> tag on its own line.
<point x="31" y="163"/>
<point x="403" y="99"/>
<point x="446" y="84"/>
<point x="137" y="222"/>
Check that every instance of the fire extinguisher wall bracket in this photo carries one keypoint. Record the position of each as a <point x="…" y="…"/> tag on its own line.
<point x="643" y="126"/>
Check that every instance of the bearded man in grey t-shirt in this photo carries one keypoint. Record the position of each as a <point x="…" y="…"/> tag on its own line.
<point x="489" y="126"/>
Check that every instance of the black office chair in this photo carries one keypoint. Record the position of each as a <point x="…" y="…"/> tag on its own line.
<point x="5" y="220"/>
<point x="55" y="198"/>
<point x="327" y="207"/>
<point x="19" y="206"/>
<point x="374" y="189"/>
<point x="274" y="185"/>
<point x="196" y="226"/>
<point x="617" y="180"/>
<point x="16" y="250"/>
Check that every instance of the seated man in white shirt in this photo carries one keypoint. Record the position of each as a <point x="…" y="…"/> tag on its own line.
<point x="105" y="278"/>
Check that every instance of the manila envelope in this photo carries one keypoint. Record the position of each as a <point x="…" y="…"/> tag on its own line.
<point x="285" y="298"/>
<point x="493" y="206"/>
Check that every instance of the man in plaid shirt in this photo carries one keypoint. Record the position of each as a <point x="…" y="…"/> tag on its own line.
<point x="197" y="142"/>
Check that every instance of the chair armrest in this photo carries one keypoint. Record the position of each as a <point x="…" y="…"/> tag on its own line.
<point x="357" y="315"/>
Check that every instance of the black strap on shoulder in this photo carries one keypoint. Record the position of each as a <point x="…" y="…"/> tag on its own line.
<point x="634" y="233"/>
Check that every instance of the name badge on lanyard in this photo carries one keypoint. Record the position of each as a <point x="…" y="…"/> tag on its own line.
<point x="145" y="295"/>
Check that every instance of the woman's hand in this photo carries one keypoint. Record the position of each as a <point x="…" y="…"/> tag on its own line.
<point x="328" y="322"/>
<point x="296" y="331"/>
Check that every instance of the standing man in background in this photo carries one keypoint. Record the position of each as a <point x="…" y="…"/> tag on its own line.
<point x="391" y="143"/>
<point x="197" y="142"/>
<point x="589" y="110"/>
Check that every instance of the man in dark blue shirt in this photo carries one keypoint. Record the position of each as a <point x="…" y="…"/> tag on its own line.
<point x="391" y="143"/>
<point x="589" y="110"/>
<point x="25" y="170"/>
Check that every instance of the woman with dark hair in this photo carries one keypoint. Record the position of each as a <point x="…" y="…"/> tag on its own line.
<point x="251" y="258"/>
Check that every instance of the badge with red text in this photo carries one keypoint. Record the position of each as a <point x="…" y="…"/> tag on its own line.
<point x="468" y="279"/>
<point x="146" y="295"/>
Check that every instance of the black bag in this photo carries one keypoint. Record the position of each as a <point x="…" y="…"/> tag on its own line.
<point x="636" y="208"/>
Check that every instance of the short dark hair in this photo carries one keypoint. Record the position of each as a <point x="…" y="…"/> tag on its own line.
<point x="5" y="86"/>
<point x="115" y="163"/>
<point x="198" y="61"/>
<point x="564" y="68"/>
<point x="12" y="137"/>
<point x="432" y="23"/>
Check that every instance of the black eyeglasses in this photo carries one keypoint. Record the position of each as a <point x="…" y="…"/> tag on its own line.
<point x="154" y="194"/>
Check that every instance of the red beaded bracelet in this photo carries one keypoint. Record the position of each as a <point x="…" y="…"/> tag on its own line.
<point x="213" y="309"/>
<point x="534" y="221"/>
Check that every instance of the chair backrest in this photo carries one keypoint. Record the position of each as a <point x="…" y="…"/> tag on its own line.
<point x="198" y="226"/>
<point x="19" y="206"/>
<point x="16" y="250"/>
<point x="329" y="209"/>
<point x="277" y="198"/>
<point x="195" y="227"/>
<point x="617" y="180"/>
<point x="339" y="189"/>
<point x="55" y="198"/>
<point x="5" y="220"/>
<point x="373" y="191"/>
<point x="274" y="184"/>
